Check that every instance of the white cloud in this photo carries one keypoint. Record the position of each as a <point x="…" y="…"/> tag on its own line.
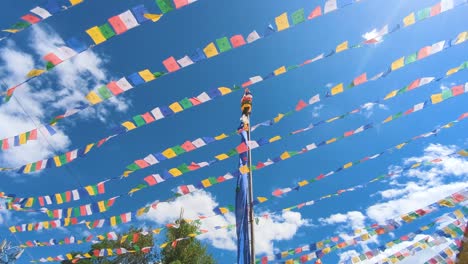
<point x="71" y="79"/>
<point x="353" y="219"/>
<point x="376" y="34"/>
<point x="368" y="108"/>
<point x="316" y="110"/>
<point x="421" y="186"/>
<point x="275" y="228"/>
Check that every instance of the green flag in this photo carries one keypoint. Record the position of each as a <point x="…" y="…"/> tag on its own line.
<point x="223" y="44"/>
<point x="411" y="58"/>
<point x="107" y="31"/>
<point x="139" y="121"/>
<point x="104" y="92"/>
<point x="298" y="16"/>
<point x="185" y="103"/>
<point x="165" y="5"/>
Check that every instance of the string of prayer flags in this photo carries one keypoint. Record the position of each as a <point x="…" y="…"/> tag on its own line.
<point x="424" y="243"/>
<point x="399" y="63"/>
<point x="57" y="198"/>
<point x="44" y="225"/>
<point x="112" y="236"/>
<point x="82" y="210"/>
<point x="105" y="252"/>
<point x="137" y="15"/>
<point x="39" y="14"/>
<point x="280" y="192"/>
<point x="456" y="219"/>
<point x="321" y="248"/>
<point x="446" y="255"/>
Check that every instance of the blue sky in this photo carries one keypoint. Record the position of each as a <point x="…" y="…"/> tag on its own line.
<point x="181" y="32"/>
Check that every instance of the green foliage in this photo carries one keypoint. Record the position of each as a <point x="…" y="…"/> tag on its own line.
<point x="133" y="258"/>
<point x="187" y="251"/>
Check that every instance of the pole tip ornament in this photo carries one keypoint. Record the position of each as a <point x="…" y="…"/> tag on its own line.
<point x="246" y="103"/>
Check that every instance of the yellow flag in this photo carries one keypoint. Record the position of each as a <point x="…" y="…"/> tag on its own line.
<point x="280" y="70"/>
<point x="210" y="50"/>
<point x="285" y="155"/>
<point x="176" y="107"/>
<point x="222" y="136"/>
<point x="388" y="119"/>
<point x="113" y="222"/>
<point x="244" y="169"/>
<point x="27" y="169"/>
<point x="206" y="183"/>
<point x="102" y="206"/>
<point x="391" y="94"/>
<point x="275" y="138"/>
<point x="261" y="199"/>
<point x="337" y="89"/>
<point x="34" y="73"/>
<point x="175" y="172"/>
<point x="96" y="35"/>
<point x="452" y="71"/>
<point x="93" y="98"/>
<point x="11" y="30"/>
<point x="282" y="22"/>
<point x="222" y="157"/>
<point x="75" y="2"/>
<point x="343" y="46"/>
<point x="330" y="141"/>
<point x="169" y="153"/>
<point x="409" y="20"/>
<point x="146" y="75"/>
<point x="224" y="90"/>
<point x="462" y="37"/>
<point x="163" y="245"/>
<point x="29" y="202"/>
<point x="303" y="183"/>
<point x="347" y="165"/>
<point x="129" y="125"/>
<point x="398" y="64"/>
<point x="278" y="118"/>
<point x="153" y="17"/>
<point x="436" y="98"/>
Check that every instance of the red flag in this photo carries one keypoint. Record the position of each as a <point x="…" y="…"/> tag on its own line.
<point x="171" y="64"/>
<point x="360" y="79"/>
<point x="315" y="13"/>
<point x="242" y="148"/>
<point x="300" y="105"/>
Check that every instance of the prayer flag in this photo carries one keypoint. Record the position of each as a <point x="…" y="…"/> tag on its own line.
<point x="171" y="64"/>
<point x="96" y="35"/>
<point x="210" y="50"/>
<point x="315" y="13"/>
<point x="237" y="41"/>
<point x="282" y="22"/>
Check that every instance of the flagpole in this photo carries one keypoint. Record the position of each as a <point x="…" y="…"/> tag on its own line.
<point x="251" y="205"/>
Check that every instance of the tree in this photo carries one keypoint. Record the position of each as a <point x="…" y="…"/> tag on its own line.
<point x="186" y="251"/>
<point x="132" y="258"/>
